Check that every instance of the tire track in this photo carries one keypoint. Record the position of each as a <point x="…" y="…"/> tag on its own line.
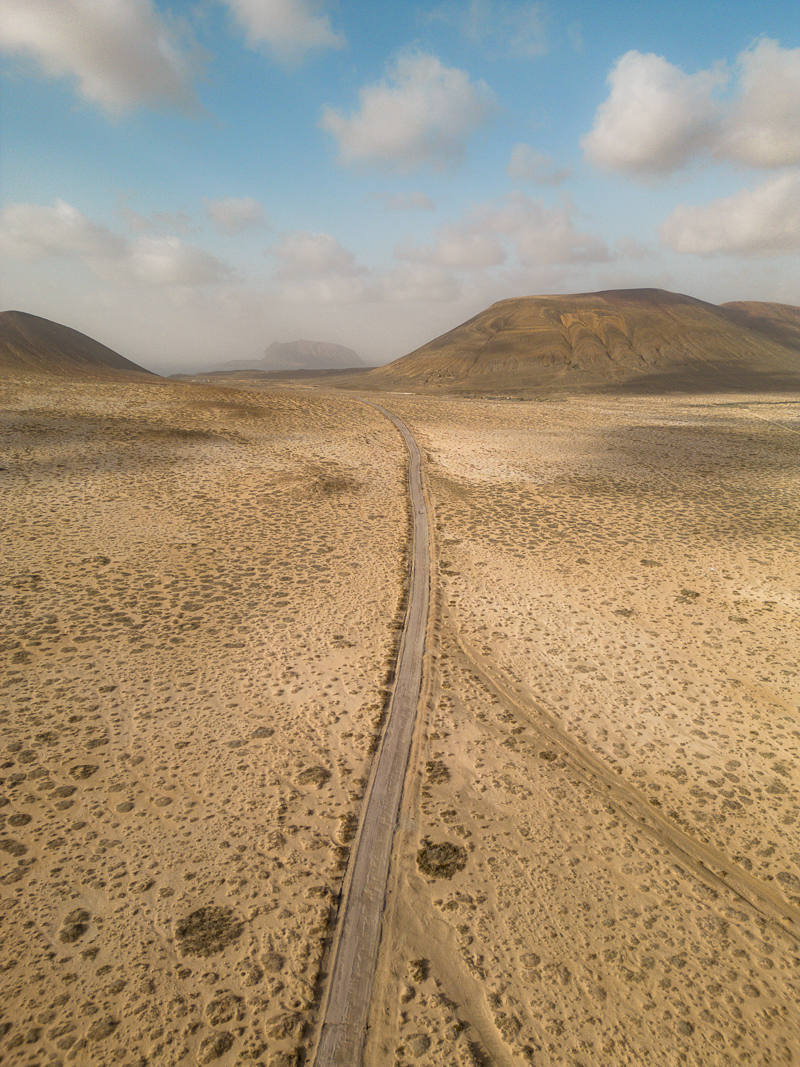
<point x="354" y="957"/>
<point x="705" y="861"/>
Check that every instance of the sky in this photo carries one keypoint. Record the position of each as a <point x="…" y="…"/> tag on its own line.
<point x="188" y="181"/>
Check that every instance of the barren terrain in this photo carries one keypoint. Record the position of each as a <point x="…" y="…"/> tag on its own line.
<point x="620" y="612"/>
<point x="598" y="859"/>
<point x="200" y="608"/>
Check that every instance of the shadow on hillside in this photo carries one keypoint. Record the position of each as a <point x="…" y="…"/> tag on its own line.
<point x="735" y="377"/>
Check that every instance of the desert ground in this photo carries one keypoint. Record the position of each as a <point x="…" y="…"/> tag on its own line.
<point x="618" y="635"/>
<point x="201" y="605"/>
<point x="598" y="858"/>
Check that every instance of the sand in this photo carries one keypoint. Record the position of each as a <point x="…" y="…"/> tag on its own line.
<point x="620" y="629"/>
<point x="200" y="598"/>
<point x="201" y="592"/>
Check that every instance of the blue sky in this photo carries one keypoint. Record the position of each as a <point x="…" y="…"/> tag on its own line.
<point x="188" y="181"/>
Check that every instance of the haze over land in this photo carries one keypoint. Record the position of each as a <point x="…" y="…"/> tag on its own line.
<point x="189" y="183"/>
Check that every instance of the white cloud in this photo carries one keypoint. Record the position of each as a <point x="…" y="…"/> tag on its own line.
<point x="234" y="215"/>
<point x="544" y="235"/>
<point x="760" y="221"/>
<point x="168" y="261"/>
<point x="465" y="247"/>
<point x="517" y="30"/>
<point x="421" y="114"/>
<point x="305" y="254"/>
<point x="32" y="231"/>
<point x="762" y="128"/>
<point x="36" y="232"/>
<point x="289" y="28"/>
<point x="316" y="269"/>
<point x="658" y="118"/>
<point x="124" y="53"/>
<point x="528" y="165"/>
<point x="538" y="234"/>
<point x="415" y="201"/>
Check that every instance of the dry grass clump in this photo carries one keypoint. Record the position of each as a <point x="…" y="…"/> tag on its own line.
<point x="208" y="930"/>
<point x="437" y="771"/>
<point x="329" y="484"/>
<point x="441" y="860"/>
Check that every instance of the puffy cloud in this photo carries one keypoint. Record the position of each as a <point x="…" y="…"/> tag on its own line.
<point x="658" y="118"/>
<point x="305" y="254"/>
<point x="762" y="127"/>
<point x="168" y="261"/>
<point x="760" y="221"/>
<point x="545" y="235"/>
<point x="538" y="234"/>
<point x="123" y="53"/>
<point x="464" y="247"/>
<point x="234" y="215"/>
<point x="289" y="28"/>
<point x="316" y="269"/>
<point x="415" y="201"/>
<point x="421" y="114"/>
<point x="518" y="30"/>
<point x="33" y="231"/>
<point x="528" y="165"/>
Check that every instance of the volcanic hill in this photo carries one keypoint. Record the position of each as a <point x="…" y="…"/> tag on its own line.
<point x="625" y="340"/>
<point x="32" y="345"/>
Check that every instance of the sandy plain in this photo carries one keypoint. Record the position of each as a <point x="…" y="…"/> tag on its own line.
<point x="619" y="634"/>
<point x="205" y="586"/>
<point x="201" y="593"/>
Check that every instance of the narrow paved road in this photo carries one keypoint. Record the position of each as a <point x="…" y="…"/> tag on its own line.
<point x="346" y="1008"/>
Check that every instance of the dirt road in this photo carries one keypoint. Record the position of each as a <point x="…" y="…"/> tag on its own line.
<point x="356" y="949"/>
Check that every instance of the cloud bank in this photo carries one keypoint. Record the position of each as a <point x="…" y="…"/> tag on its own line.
<point x="36" y="232"/>
<point x="760" y="221"/>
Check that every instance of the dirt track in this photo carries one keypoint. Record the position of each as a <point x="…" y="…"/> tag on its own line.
<point x="355" y="953"/>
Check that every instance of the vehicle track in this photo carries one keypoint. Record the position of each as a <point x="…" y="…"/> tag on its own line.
<point x="705" y="861"/>
<point x="355" y="952"/>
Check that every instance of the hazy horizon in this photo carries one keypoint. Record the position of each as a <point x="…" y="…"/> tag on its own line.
<point x="190" y="183"/>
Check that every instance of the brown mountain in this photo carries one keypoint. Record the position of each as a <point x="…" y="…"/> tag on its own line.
<point x="638" y="340"/>
<point x="32" y="345"/>
<point x="780" y="322"/>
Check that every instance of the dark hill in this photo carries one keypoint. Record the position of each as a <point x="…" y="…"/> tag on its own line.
<point x="29" y="344"/>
